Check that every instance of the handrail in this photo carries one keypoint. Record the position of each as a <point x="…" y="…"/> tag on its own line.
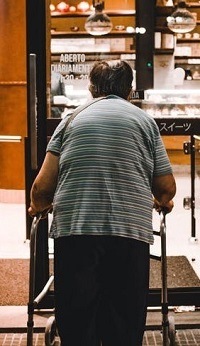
<point x="9" y="138"/>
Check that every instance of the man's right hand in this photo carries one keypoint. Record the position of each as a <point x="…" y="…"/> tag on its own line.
<point x="167" y="208"/>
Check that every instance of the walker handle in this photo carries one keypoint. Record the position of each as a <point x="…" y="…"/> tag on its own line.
<point x="43" y="214"/>
<point x="164" y="211"/>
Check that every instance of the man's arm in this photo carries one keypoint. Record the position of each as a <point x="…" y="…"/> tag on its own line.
<point x="44" y="186"/>
<point x="164" y="189"/>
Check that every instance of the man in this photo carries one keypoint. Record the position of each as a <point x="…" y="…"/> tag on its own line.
<point x="103" y="172"/>
<point x="57" y="88"/>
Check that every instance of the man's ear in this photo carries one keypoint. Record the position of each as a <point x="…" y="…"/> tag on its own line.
<point x="92" y="89"/>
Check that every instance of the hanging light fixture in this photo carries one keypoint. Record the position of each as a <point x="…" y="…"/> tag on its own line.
<point x="98" y="23"/>
<point x="181" y="20"/>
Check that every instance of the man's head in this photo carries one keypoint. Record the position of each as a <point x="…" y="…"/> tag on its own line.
<point x="111" y="77"/>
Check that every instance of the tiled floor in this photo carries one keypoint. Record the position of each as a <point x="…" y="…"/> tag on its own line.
<point x="151" y="338"/>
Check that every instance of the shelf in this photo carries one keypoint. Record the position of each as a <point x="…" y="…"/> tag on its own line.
<point x="63" y="105"/>
<point x="170" y="103"/>
<point x="188" y="40"/>
<point x="163" y="29"/>
<point x="63" y="34"/>
<point x="162" y="11"/>
<point x="195" y="4"/>
<point x="182" y="117"/>
<point x="186" y="62"/>
<point x="183" y="57"/>
<point x="118" y="13"/>
<point x="163" y="51"/>
<point x="94" y="54"/>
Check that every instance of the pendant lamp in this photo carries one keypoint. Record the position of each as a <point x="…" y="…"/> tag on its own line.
<point x="98" y="23"/>
<point x="181" y="20"/>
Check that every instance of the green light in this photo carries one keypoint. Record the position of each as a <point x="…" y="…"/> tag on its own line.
<point x="149" y="64"/>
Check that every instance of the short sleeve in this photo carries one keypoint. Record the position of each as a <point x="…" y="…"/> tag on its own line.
<point x="162" y="164"/>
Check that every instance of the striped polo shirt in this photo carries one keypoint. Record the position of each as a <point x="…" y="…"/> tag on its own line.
<point x="108" y="156"/>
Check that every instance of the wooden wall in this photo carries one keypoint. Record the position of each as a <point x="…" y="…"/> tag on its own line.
<point x="174" y="146"/>
<point x="12" y="91"/>
<point x="108" y="4"/>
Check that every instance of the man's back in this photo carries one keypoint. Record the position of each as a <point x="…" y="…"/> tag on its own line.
<point x="109" y="152"/>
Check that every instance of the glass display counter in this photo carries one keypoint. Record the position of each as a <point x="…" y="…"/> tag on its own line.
<point x="177" y="112"/>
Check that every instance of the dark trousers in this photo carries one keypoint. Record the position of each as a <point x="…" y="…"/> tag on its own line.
<point x="101" y="287"/>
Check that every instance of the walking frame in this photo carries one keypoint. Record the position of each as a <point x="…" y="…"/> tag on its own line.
<point x="168" y="326"/>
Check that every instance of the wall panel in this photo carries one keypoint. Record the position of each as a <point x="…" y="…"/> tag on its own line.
<point x="12" y="91"/>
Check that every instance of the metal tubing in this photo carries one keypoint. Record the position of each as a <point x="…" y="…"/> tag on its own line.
<point x="164" y="293"/>
<point x="192" y="165"/>
<point x="32" y="304"/>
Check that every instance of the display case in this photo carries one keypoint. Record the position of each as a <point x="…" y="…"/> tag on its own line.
<point x="177" y="112"/>
<point x="74" y="51"/>
<point x="184" y="47"/>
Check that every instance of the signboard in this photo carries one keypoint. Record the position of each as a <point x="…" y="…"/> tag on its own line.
<point x="69" y="82"/>
<point x="178" y="126"/>
<point x="137" y="95"/>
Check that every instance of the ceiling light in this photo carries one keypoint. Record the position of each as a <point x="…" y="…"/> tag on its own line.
<point x="98" y="23"/>
<point x="181" y="20"/>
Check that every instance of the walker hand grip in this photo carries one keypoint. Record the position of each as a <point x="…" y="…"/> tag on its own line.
<point x="164" y="210"/>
